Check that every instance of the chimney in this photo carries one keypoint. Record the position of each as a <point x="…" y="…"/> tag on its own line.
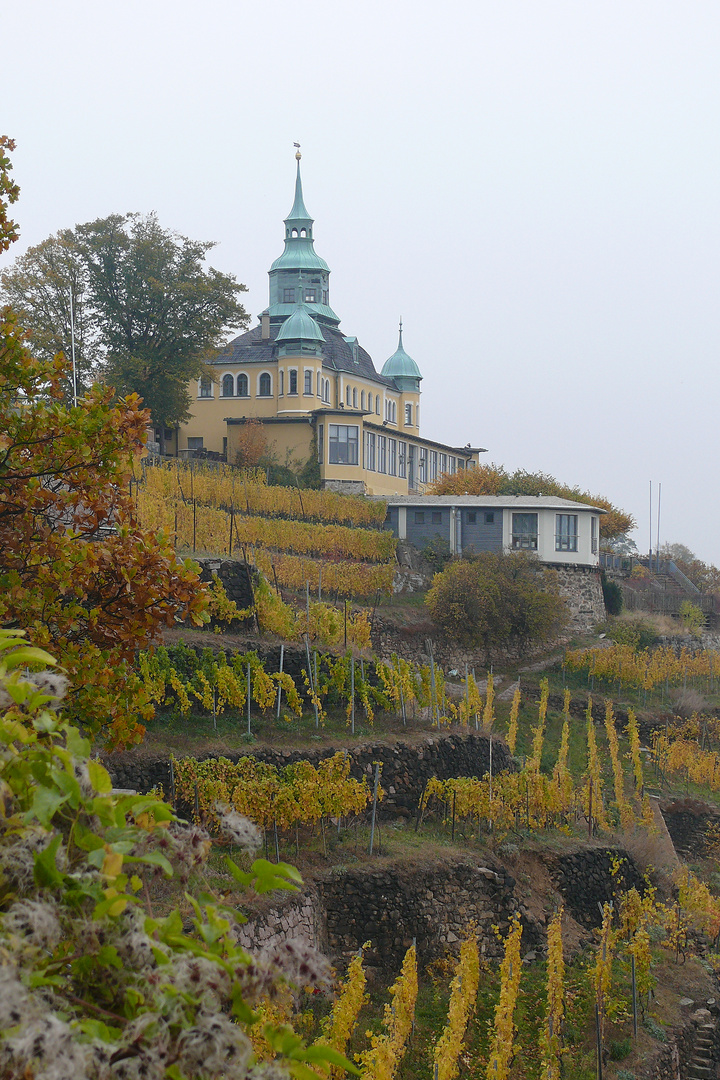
<point x="265" y="326"/>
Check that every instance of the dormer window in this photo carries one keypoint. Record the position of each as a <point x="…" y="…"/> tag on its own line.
<point x="310" y="296"/>
<point x="288" y="296"/>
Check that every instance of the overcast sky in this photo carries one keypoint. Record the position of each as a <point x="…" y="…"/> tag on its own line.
<point x="533" y="185"/>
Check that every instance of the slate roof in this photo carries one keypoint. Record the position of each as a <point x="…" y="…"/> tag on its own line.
<point x="337" y="353"/>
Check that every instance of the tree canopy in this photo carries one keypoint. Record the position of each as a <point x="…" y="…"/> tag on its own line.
<point x="497" y="600"/>
<point x="704" y="576"/>
<point x="496" y="480"/>
<point x="148" y="314"/>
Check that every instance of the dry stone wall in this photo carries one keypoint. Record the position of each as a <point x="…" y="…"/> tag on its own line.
<point x="405" y="767"/>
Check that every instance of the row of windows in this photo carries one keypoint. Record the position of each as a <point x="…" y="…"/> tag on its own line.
<point x="436" y="517"/>
<point x="310" y="296"/>
<point x="525" y="532"/>
<point x="241" y="388"/>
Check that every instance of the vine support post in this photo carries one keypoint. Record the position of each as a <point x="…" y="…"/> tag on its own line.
<point x="634" y="993"/>
<point x="402" y="707"/>
<point x="310" y="680"/>
<point x="280" y="669"/>
<point x="467" y="697"/>
<point x="598" y="1042"/>
<point x="277" y="844"/>
<point x="374" y="806"/>
<point x="172" y="783"/>
<point x="319" y="582"/>
<point x="345" y="620"/>
<point x="307" y="605"/>
<point x="352" y="694"/>
<point x="590" y="808"/>
<point x="249" y="691"/>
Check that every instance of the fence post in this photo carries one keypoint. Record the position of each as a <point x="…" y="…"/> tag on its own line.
<point x="279" y="694"/>
<point x="374" y="806"/>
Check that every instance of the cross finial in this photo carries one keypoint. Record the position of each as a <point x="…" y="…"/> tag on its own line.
<point x="298" y="155"/>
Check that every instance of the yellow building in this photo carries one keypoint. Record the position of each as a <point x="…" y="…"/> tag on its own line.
<point x="315" y="390"/>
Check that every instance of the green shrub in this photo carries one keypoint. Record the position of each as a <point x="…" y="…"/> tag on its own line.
<point x="637" y="632"/>
<point x="620" y="1048"/>
<point x="612" y="595"/>
<point x="655" y="1029"/>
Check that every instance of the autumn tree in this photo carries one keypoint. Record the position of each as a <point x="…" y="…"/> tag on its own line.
<point x="495" y="601"/>
<point x="496" y="480"/>
<point x="76" y="570"/>
<point x="148" y="313"/>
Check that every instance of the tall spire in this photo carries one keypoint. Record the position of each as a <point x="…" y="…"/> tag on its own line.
<point x="299" y="210"/>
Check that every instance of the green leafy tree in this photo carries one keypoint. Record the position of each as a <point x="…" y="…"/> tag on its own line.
<point x="75" y="567"/>
<point x="148" y="313"/>
<point x="497" y="600"/>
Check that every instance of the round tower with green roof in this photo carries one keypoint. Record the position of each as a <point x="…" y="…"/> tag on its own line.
<point x="299" y="275"/>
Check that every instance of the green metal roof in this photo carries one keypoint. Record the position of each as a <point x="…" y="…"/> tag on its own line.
<point x="281" y="311"/>
<point x="300" y="327"/>
<point x="400" y="365"/>
<point x="299" y="254"/>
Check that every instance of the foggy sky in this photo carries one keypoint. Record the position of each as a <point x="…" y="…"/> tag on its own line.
<point x="532" y="185"/>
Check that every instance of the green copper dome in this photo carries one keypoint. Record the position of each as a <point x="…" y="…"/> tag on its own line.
<point x="300" y="327"/>
<point x="400" y="365"/>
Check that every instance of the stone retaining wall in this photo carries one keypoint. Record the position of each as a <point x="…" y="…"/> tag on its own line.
<point x="584" y="878"/>
<point x="405" y="768"/>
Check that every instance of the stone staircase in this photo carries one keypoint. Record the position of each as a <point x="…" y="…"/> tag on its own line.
<point x="700" y="1063"/>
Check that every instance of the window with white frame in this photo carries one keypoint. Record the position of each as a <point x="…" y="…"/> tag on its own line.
<point x="433" y="465"/>
<point x="205" y="389"/>
<point x="525" y="532"/>
<point x="402" y="460"/>
<point x="354" y="397"/>
<point x="594" y="535"/>
<point x="443" y="464"/>
<point x="308" y="381"/>
<point x="422" y="466"/>
<point x="392" y="457"/>
<point x="377" y="404"/>
<point x="228" y="386"/>
<point x="348" y="396"/>
<point x="408" y="414"/>
<point x="343" y="444"/>
<point x="281" y="382"/>
<point x="381" y="453"/>
<point x="292" y="381"/>
<point x="265" y="385"/>
<point x="566" y="532"/>
<point x="243" y="387"/>
<point x="362" y="400"/>
<point x="370" y="455"/>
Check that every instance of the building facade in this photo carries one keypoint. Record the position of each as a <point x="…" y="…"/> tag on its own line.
<point x="558" y="531"/>
<point x="315" y="390"/>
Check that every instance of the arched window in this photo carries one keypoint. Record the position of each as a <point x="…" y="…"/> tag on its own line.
<point x="228" y="386"/>
<point x="394" y="412"/>
<point x="320" y="381"/>
<point x="348" y="395"/>
<point x="308" y="382"/>
<point x="377" y="404"/>
<point x="303" y="232"/>
<point x="408" y="414"/>
<point x="205" y="387"/>
<point x="242" y="386"/>
<point x="362" y="401"/>
<point x="281" y="382"/>
<point x="326" y="392"/>
<point x="264" y="385"/>
<point x="354" y="397"/>
<point x="292" y="381"/>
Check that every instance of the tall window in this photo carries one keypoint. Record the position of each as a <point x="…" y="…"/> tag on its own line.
<point x="433" y="465"/>
<point x="422" y="466"/>
<point x="343" y="444"/>
<point x="242" y="385"/>
<point x="402" y="460"/>
<point x="362" y="401"/>
<point x="321" y="443"/>
<point x="308" y="382"/>
<point x="408" y="414"/>
<point x="392" y="457"/>
<point x="326" y="392"/>
<point x="354" y="397"/>
<point x="370" y="462"/>
<point x="411" y="457"/>
<point x="320" y="386"/>
<point x="205" y="387"/>
<point x="228" y="385"/>
<point x="594" y="535"/>
<point x="348" y="396"/>
<point x="566" y="532"/>
<point x="377" y="404"/>
<point x="525" y="532"/>
<point x="382" y="454"/>
<point x="281" y="382"/>
<point x="325" y="296"/>
<point x="443" y="464"/>
<point x="264" y="385"/>
<point x="292" y="381"/>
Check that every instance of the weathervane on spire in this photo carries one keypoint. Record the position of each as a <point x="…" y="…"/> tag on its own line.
<point x="298" y="155"/>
